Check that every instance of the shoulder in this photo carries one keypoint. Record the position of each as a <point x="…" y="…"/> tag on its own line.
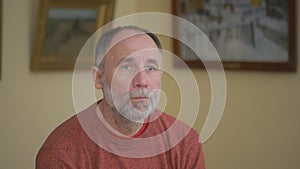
<point x="166" y="118"/>
<point x="172" y="126"/>
<point x="187" y="148"/>
<point x="167" y="121"/>
<point x="69" y="145"/>
<point x="188" y="151"/>
<point x="66" y="139"/>
<point x="63" y="134"/>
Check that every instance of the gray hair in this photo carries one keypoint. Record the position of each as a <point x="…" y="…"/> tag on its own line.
<point x="105" y="42"/>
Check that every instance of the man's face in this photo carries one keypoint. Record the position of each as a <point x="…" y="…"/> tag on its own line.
<point x="132" y="77"/>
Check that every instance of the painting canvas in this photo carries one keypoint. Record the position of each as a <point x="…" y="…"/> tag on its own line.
<point x="251" y="33"/>
<point x="67" y="30"/>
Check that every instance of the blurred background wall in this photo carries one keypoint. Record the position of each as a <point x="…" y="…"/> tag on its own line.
<point x="260" y="127"/>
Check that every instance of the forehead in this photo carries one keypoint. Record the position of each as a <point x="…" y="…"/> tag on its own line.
<point x="128" y="42"/>
<point x="125" y="35"/>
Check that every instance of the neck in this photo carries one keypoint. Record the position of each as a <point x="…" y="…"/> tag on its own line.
<point x="117" y="122"/>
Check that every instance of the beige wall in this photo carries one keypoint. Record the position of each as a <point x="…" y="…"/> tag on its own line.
<point x="260" y="127"/>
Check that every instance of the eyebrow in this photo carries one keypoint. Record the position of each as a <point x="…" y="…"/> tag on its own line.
<point x="153" y="61"/>
<point x="126" y="59"/>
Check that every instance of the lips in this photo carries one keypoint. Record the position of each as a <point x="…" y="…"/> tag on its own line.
<point x="139" y="98"/>
<point x="139" y="94"/>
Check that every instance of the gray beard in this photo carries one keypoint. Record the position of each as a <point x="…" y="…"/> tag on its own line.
<point x="136" y="112"/>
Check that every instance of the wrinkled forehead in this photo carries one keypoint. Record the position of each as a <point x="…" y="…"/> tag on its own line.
<point x="132" y="42"/>
<point x="124" y="35"/>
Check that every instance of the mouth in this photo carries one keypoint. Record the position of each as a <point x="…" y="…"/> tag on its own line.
<point x="139" y="98"/>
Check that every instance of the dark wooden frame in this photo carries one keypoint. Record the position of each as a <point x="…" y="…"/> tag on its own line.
<point x="289" y="66"/>
<point x="41" y="61"/>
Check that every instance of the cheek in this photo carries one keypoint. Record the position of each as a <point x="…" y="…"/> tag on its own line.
<point x="117" y="80"/>
<point x="120" y="85"/>
<point x="156" y="83"/>
<point x="116" y="84"/>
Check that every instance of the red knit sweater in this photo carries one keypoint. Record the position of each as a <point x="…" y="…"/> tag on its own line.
<point x="81" y="143"/>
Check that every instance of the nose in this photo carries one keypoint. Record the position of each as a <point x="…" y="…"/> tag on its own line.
<point x="140" y="80"/>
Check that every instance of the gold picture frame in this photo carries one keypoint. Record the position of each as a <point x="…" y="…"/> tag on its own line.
<point x="63" y="26"/>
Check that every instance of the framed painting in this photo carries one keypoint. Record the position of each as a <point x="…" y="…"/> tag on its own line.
<point x="63" y="26"/>
<point x="247" y="34"/>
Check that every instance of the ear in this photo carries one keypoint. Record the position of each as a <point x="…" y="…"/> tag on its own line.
<point x="97" y="77"/>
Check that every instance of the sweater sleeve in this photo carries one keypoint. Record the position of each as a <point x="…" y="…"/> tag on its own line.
<point x="193" y="156"/>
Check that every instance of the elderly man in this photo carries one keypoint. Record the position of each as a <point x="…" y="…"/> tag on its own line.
<point x="124" y="129"/>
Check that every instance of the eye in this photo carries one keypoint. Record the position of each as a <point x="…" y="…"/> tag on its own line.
<point x="126" y="67"/>
<point x="151" y="68"/>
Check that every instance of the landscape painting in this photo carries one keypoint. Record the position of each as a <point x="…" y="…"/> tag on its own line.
<point x="67" y="30"/>
<point x="251" y="34"/>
